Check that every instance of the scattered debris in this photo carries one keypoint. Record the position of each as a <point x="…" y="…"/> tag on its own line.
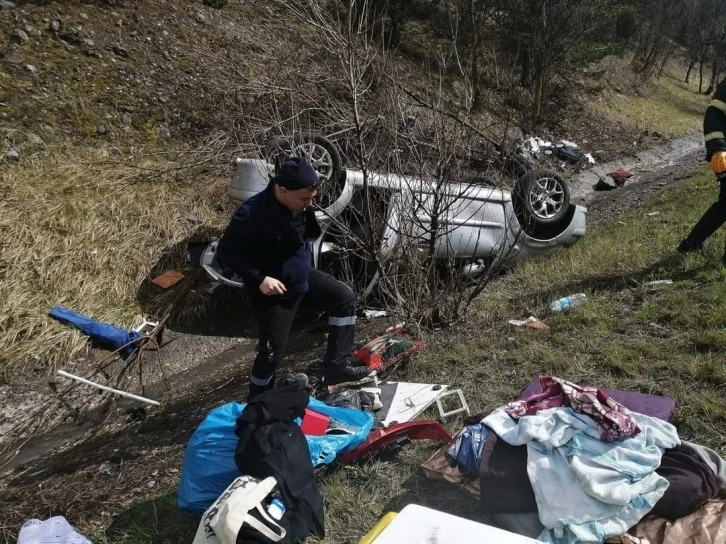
<point x="375" y="314"/>
<point x="388" y="349"/>
<point x="605" y="184"/>
<point x="200" y="18"/>
<point x="107" y="389"/>
<point x="652" y="214"/>
<point x="313" y="423"/>
<point x="567" y="154"/>
<point x="657" y="326"/>
<point x="536" y="144"/>
<point x="55" y="530"/>
<point x="590" y="158"/>
<point x="567" y="303"/>
<point x="168" y="279"/>
<point x="30" y="68"/>
<point x="620" y="176"/>
<point x="389" y="440"/>
<point x="126" y="109"/>
<point x="118" y="339"/>
<point x="659" y="282"/>
<point x="569" y="144"/>
<point x="4" y="4"/>
<point x="531" y="323"/>
<point x="145" y="326"/>
<point x="12" y="155"/>
<point x="101" y="130"/>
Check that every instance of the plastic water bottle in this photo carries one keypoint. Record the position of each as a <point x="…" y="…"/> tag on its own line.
<point x="276" y="508"/>
<point x="567" y="303"/>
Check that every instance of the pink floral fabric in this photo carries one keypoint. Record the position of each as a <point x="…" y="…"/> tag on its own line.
<point x="613" y="420"/>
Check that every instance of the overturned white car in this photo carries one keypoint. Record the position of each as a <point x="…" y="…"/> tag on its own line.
<point x="483" y="227"/>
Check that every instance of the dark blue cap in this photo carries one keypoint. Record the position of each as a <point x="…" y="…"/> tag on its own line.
<point x="296" y="173"/>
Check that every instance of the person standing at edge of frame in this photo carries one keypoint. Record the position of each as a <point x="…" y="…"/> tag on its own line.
<point x="714" y="130"/>
<point x="269" y="244"/>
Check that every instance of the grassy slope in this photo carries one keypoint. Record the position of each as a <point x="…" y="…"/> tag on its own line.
<point x="667" y="105"/>
<point x="667" y="340"/>
<point x="82" y="230"/>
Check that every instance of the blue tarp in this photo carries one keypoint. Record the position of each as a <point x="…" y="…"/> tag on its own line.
<point x="102" y="332"/>
<point x="209" y="467"/>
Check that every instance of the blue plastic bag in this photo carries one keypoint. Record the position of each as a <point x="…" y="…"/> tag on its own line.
<point x="324" y="449"/>
<point x="102" y="332"/>
<point x="208" y="466"/>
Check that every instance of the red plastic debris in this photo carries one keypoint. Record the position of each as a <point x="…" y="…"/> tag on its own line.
<point x="379" y="440"/>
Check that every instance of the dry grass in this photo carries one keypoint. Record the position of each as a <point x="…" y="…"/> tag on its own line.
<point x="82" y="228"/>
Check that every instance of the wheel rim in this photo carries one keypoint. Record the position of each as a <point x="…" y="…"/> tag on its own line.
<point x="546" y="197"/>
<point x="318" y="157"/>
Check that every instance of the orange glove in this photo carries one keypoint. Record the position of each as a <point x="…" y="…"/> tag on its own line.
<point x="718" y="162"/>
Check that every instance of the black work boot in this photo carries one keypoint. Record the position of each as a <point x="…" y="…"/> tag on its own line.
<point x="689" y="247"/>
<point x="349" y="370"/>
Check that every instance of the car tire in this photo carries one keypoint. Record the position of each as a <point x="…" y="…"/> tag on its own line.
<point x="541" y="198"/>
<point x="324" y="156"/>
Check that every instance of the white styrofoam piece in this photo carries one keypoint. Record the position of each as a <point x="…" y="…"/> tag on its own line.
<point x="420" y="525"/>
<point x="410" y="400"/>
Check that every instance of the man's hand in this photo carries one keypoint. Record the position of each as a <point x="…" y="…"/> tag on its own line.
<point x="718" y="162"/>
<point x="271" y="286"/>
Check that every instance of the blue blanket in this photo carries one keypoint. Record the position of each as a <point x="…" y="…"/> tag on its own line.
<point x="588" y="490"/>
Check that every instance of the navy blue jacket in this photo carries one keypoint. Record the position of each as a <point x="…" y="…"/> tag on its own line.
<point x="261" y="241"/>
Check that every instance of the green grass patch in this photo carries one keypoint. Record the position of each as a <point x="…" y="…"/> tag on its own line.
<point x="666" y="340"/>
<point x="667" y="104"/>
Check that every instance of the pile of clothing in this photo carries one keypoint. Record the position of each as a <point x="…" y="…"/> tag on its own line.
<point x="571" y="464"/>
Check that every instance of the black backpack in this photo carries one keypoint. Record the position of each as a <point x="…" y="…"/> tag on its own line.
<point x="272" y="444"/>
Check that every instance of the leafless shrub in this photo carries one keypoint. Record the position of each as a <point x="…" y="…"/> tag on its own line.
<point x="411" y="154"/>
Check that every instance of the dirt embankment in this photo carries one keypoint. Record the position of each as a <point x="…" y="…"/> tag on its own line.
<point x="653" y="170"/>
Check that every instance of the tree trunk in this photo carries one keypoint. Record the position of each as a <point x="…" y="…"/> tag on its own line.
<point x="700" y="74"/>
<point x="538" y="92"/>
<point x="526" y="79"/>
<point x="715" y="69"/>
<point x="539" y="63"/>
<point x="690" y="68"/>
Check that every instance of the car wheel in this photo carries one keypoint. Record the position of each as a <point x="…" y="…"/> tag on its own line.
<point x="321" y="153"/>
<point x="541" y="198"/>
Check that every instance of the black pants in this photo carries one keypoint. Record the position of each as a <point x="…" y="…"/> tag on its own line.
<point x="275" y="315"/>
<point x="714" y="217"/>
